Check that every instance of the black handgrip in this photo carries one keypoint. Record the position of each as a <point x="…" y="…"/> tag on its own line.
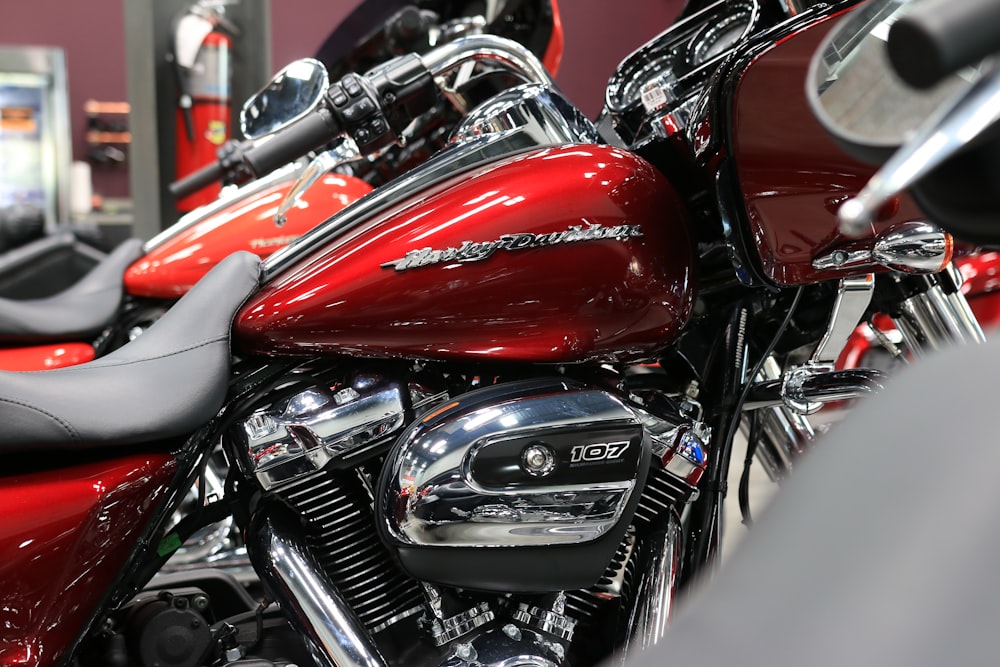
<point x="197" y="180"/>
<point x="306" y="135"/>
<point x="939" y="37"/>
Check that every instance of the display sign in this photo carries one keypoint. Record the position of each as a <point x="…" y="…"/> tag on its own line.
<point x="23" y="160"/>
<point x="34" y="131"/>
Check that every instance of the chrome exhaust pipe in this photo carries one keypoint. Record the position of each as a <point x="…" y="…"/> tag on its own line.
<point x="654" y="606"/>
<point x="310" y="601"/>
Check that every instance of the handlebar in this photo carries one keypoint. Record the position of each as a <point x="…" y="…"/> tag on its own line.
<point x="939" y="37"/>
<point x="307" y="135"/>
<point x="196" y="180"/>
<point x="373" y="109"/>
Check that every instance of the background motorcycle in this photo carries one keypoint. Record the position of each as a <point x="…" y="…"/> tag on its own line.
<point x="88" y="318"/>
<point x="416" y="365"/>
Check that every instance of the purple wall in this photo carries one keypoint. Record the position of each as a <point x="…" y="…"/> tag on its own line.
<point x="91" y="33"/>
<point x="597" y="37"/>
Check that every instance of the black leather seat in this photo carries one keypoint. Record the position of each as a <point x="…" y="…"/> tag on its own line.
<point x="77" y="313"/>
<point x="166" y="383"/>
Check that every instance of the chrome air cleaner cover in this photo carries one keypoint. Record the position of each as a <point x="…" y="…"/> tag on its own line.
<point x="524" y="486"/>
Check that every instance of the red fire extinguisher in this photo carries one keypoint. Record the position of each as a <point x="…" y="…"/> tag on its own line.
<point x="202" y="46"/>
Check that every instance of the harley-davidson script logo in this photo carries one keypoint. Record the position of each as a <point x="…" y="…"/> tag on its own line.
<point x="471" y="251"/>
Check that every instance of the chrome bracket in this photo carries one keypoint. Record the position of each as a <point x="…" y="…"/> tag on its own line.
<point x="805" y="388"/>
<point x="854" y="295"/>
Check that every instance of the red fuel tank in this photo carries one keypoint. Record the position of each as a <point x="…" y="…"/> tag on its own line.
<point x="554" y="255"/>
<point x="171" y="268"/>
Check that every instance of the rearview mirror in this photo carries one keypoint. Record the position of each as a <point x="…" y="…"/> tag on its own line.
<point x="856" y="95"/>
<point x="290" y="95"/>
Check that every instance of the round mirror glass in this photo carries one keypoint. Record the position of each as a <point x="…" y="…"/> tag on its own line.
<point x="856" y="95"/>
<point x="291" y="94"/>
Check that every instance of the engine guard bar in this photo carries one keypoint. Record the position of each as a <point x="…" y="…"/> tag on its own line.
<point x="809" y="387"/>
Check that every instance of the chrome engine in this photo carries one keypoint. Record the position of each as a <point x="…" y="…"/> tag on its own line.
<point x="402" y="523"/>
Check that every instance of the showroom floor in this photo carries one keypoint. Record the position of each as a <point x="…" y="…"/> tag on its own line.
<point x="762" y="489"/>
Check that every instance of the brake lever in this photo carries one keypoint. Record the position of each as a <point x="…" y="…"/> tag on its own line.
<point x="325" y="162"/>
<point x="943" y="135"/>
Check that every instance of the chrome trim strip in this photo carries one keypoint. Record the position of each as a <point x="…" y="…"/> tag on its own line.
<point x="445" y="165"/>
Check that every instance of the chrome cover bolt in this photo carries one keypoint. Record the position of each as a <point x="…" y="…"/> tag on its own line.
<point x="465" y="652"/>
<point x="512" y="631"/>
<point x="538" y="460"/>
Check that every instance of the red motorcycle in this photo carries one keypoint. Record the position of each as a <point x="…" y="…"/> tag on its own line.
<point x="484" y="414"/>
<point x="132" y="286"/>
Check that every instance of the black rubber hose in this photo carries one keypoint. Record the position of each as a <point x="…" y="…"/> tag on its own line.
<point x="939" y="37"/>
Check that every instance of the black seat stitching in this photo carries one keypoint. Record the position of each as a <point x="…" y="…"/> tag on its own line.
<point x="66" y="425"/>
<point x="85" y="367"/>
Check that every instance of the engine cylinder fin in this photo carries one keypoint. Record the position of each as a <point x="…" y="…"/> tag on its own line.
<point x="350" y="575"/>
<point x="662" y="493"/>
<point x="336" y="509"/>
<point x="350" y="539"/>
<point x="582" y="605"/>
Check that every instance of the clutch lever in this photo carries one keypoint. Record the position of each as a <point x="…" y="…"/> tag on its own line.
<point x="944" y="134"/>
<point x="325" y="162"/>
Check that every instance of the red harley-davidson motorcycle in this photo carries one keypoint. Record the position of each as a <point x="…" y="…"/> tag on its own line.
<point x="447" y="443"/>
<point x="132" y="286"/>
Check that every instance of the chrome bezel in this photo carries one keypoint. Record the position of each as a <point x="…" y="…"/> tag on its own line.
<point x="669" y="60"/>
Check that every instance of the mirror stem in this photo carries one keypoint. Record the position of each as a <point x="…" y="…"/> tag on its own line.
<point x="944" y="134"/>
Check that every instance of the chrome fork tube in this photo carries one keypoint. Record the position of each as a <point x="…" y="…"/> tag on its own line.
<point x="939" y="317"/>
<point x="311" y="602"/>
<point x="785" y="433"/>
